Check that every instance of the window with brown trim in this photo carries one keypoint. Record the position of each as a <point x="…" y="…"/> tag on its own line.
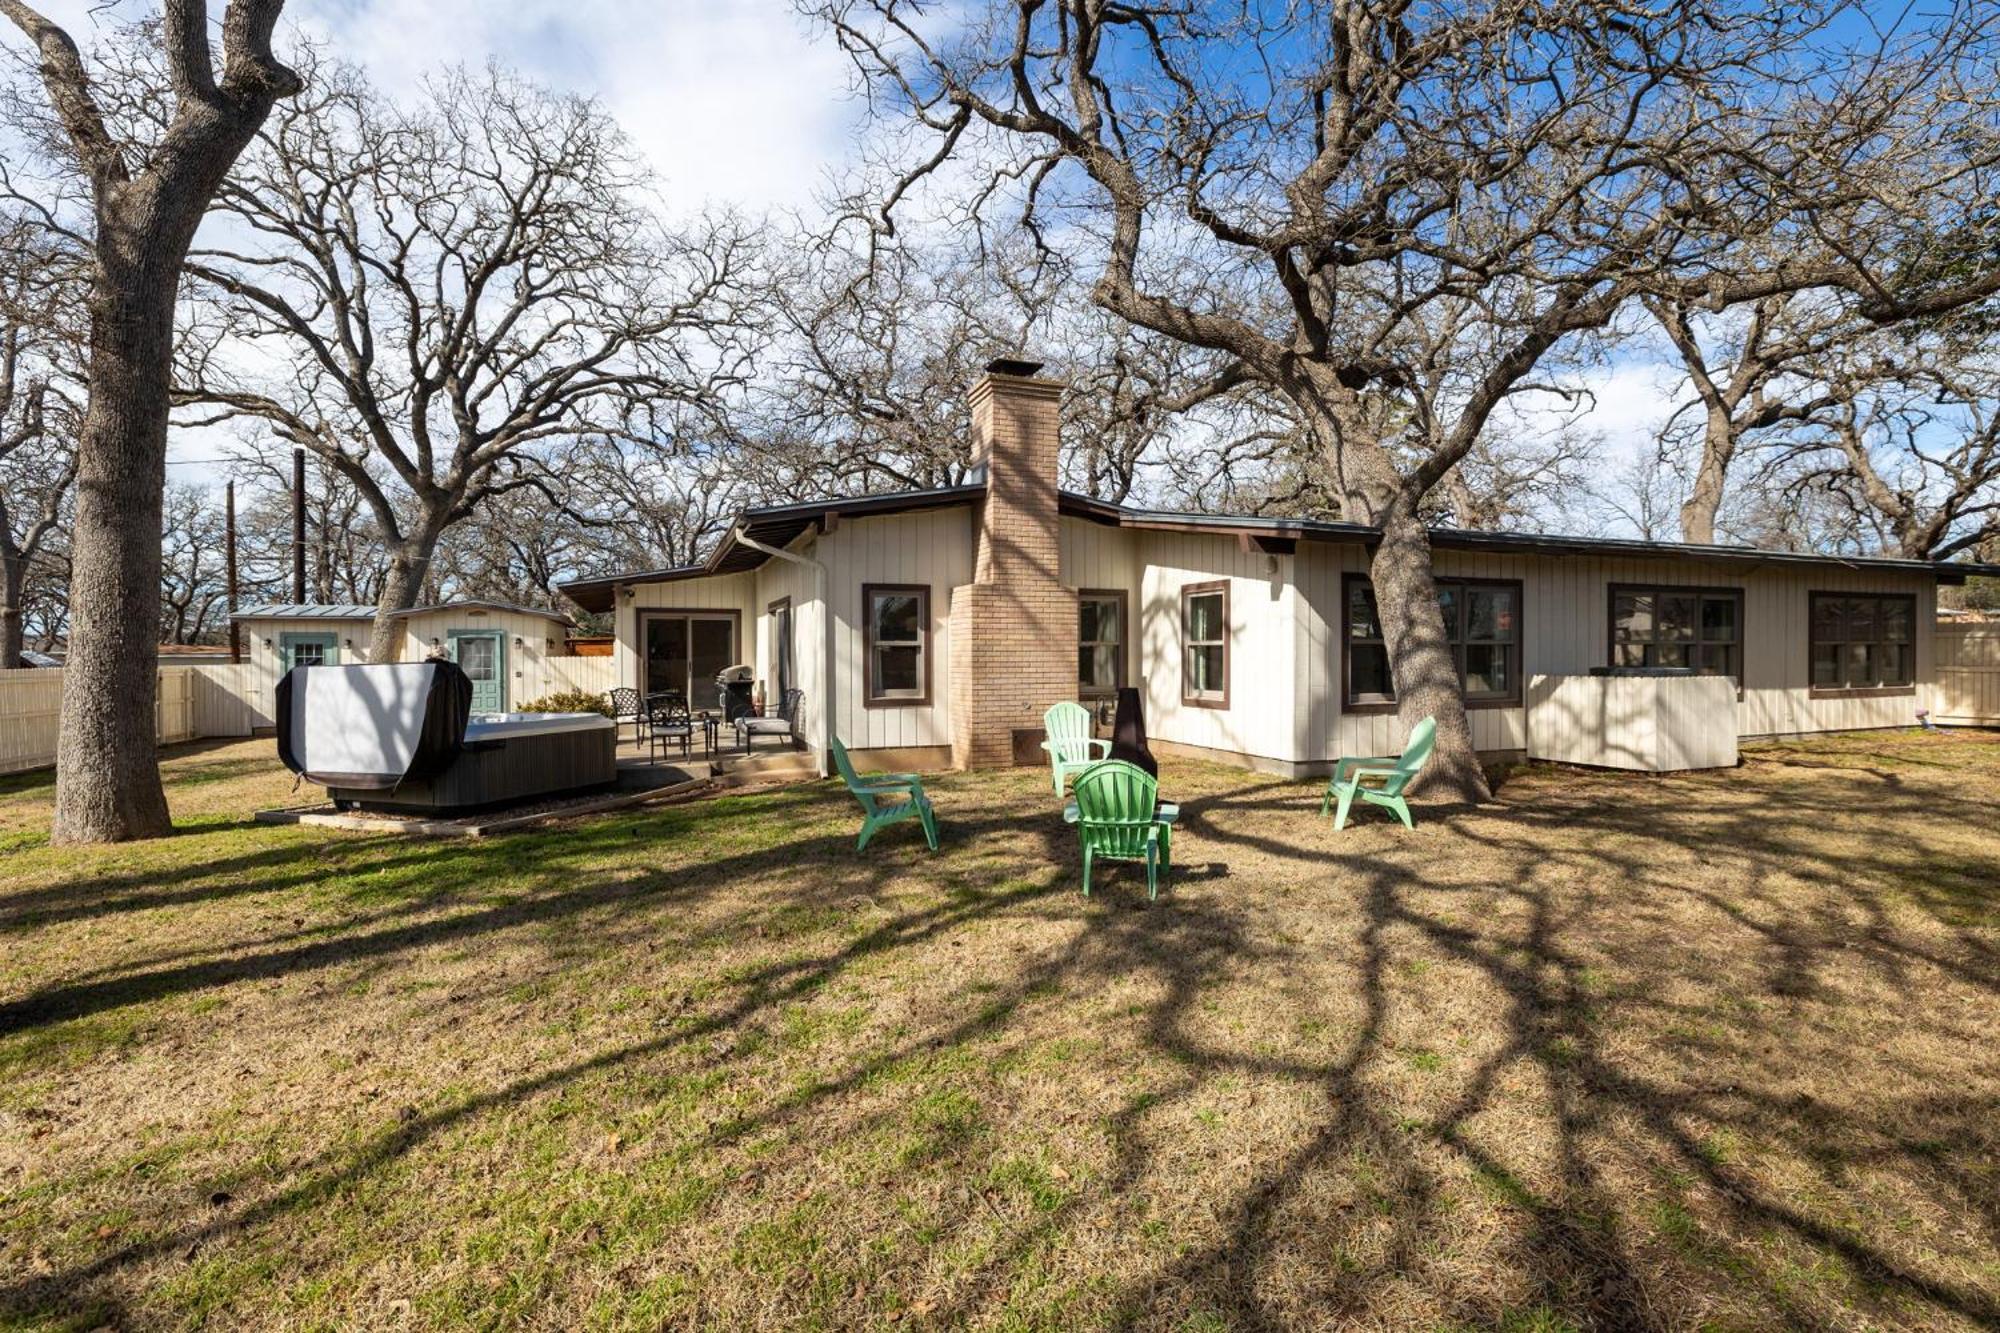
<point x="1862" y="643"/>
<point x="1100" y="641"/>
<point x="1205" y="644"/>
<point x="1482" y="622"/>
<point x="896" y="627"/>
<point x="1668" y="626"/>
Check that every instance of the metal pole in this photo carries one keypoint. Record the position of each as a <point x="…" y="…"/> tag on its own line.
<point x="229" y="547"/>
<point x="299" y="526"/>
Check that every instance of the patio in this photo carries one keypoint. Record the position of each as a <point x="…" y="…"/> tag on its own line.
<point x="1702" y="1051"/>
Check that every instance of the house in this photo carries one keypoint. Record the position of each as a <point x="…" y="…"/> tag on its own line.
<point x="505" y="649"/>
<point x="933" y="628"/>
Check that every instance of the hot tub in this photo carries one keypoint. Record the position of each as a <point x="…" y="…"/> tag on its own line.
<point x="505" y="758"/>
<point x="403" y="737"/>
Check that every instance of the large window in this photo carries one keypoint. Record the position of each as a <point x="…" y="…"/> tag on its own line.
<point x="681" y="652"/>
<point x="1699" y="628"/>
<point x="1863" y="642"/>
<point x="898" y="634"/>
<point x="1205" y="645"/>
<point x="1482" y="622"/>
<point x="1100" y="642"/>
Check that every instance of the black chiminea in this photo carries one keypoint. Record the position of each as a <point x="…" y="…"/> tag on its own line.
<point x="1128" y="732"/>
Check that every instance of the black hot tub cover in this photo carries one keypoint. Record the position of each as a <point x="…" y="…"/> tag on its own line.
<point x="372" y="727"/>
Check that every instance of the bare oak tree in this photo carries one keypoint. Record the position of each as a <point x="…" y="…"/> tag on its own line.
<point x="145" y="201"/>
<point x="1420" y="202"/>
<point x="450" y="288"/>
<point x="41" y="377"/>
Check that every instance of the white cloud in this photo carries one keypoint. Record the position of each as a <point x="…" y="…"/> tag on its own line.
<point x="730" y="100"/>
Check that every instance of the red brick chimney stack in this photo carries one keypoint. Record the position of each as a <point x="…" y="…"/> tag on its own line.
<point x="1014" y="627"/>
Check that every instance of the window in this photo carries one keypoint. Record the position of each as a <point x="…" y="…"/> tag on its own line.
<point x="303" y="649"/>
<point x="898" y="632"/>
<point x="781" y="643"/>
<point x="1482" y="622"/>
<point x="1863" y="642"/>
<point x="1205" y="645"/>
<point x="682" y="652"/>
<point x="1100" y="642"/>
<point x="1701" y="628"/>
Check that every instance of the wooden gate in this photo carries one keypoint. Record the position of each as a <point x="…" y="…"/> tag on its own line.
<point x="1966" y="662"/>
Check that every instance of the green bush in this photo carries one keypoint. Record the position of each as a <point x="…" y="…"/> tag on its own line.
<point x="568" y="701"/>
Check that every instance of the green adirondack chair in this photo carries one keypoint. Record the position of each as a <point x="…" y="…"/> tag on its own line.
<point x="886" y="798"/>
<point x="1392" y="773"/>
<point x="1070" y="745"/>
<point x="1117" y="816"/>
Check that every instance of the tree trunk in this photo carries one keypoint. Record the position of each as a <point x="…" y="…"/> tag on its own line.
<point x="13" y="585"/>
<point x="402" y="584"/>
<point x="107" y="769"/>
<point x="1420" y="658"/>
<point x="1698" y="511"/>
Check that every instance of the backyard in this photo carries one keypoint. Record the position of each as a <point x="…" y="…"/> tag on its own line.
<point x="1714" y="1051"/>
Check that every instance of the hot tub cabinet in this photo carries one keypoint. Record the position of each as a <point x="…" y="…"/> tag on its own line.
<point x="1651" y="723"/>
<point x="505" y="757"/>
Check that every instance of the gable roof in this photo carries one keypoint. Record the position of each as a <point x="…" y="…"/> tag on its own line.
<point x="778" y="525"/>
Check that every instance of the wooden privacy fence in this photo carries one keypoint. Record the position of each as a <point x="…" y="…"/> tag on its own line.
<point x="31" y="705"/>
<point x="1965" y="661"/>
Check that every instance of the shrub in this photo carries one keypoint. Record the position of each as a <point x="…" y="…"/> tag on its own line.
<point x="568" y="701"/>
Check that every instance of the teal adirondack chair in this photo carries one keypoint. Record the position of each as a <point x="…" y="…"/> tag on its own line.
<point x="1070" y="745"/>
<point x="886" y="798"/>
<point x="1392" y="773"/>
<point x="1117" y="816"/>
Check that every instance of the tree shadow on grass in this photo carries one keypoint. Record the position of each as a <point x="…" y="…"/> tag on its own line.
<point x="1580" y="879"/>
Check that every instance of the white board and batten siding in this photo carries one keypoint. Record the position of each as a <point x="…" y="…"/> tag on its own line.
<point x="1260" y="719"/>
<point x="723" y="592"/>
<point x="1650" y="724"/>
<point x="932" y="548"/>
<point x="787" y="580"/>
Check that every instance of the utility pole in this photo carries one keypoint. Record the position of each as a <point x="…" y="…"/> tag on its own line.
<point x="299" y="526"/>
<point x="229" y="549"/>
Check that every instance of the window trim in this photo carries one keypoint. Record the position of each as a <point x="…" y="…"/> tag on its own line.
<point x="326" y="638"/>
<point x="1517" y="660"/>
<point x="1611" y="591"/>
<point x="1124" y="639"/>
<point x="869" y="697"/>
<point x="1192" y="590"/>
<point x="1868" y="691"/>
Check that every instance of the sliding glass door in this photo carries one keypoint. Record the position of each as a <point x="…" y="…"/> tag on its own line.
<point x="681" y="651"/>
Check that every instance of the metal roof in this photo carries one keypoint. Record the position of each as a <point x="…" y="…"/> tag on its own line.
<point x="306" y="611"/>
<point x="478" y="604"/>
<point x="778" y="525"/>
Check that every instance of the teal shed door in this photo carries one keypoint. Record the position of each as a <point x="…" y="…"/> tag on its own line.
<point x="482" y="656"/>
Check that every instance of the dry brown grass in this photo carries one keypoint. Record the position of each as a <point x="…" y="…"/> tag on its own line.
<point x="1716" y="1051"/>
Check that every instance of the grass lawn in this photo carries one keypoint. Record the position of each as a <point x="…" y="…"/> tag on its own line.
<point x="1716" y="1051"/>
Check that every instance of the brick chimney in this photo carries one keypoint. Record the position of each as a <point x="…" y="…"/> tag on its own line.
<point x="1014" y="627"/>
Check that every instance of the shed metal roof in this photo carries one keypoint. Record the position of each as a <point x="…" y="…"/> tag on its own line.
<point x="350" y="611"/>
<point x="305" y="611"/>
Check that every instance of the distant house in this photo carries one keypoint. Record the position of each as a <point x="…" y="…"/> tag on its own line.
<point x="933" y="628"/>
<point x="499" y="645"/>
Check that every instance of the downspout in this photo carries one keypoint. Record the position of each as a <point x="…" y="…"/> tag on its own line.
<point x="826" y="639"/>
